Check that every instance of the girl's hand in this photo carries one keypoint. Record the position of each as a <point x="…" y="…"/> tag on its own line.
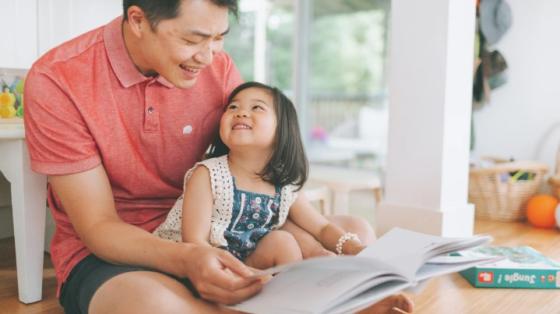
<point x="352" y="247"/>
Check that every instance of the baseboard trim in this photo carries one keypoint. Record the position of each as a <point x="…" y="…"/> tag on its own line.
<point x="451" y="222"/>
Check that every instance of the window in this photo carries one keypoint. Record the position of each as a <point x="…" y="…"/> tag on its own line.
<point x="335" y="52"/>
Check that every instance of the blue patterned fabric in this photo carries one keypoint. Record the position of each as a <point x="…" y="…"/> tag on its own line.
<point x="253" y="215"/>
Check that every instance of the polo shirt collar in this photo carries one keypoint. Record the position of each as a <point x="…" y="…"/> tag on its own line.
<point x="120" y="60"/>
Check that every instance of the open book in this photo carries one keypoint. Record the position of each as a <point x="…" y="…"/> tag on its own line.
<point x="344" y="284"/>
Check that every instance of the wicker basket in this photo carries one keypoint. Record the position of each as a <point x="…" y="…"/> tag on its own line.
<point x="498" y="192"/>
<point x="555" y="185"/>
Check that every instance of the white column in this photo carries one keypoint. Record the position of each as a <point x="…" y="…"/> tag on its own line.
<point x="431" y="52"/>
<point x="260" y="49"/>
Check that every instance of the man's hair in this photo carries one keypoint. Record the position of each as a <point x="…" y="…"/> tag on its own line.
<point x="159" y="10"/>
<point x="288" y="163"/>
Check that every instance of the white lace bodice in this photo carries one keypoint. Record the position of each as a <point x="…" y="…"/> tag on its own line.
<point x="222" y="208"/>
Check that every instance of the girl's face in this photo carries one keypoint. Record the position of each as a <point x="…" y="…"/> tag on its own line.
<point x="249" y="121"/>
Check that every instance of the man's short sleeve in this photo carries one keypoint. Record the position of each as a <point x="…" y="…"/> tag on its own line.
<point x="233" y="77"/>
<point x="57" y="136"/>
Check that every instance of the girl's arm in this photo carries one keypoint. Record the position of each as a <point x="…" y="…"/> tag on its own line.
<point x="303" y="214"/>
<point x="197" y="207"/>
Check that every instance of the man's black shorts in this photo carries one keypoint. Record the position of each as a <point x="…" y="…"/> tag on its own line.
<point x="87" y="276"/>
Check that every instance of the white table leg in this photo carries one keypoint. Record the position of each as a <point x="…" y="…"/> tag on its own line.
<point x="28" y="209"/>
<point x="378" y="194"/>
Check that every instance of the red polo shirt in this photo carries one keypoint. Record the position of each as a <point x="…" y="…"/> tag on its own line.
<point x="87" y="104"/>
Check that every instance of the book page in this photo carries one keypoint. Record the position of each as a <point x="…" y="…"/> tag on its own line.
<point x="369" y="297"/>
<point x="344" y="262"/>
<point x="317" y="284"/>
<point x="435" y="269"/>
<point x="407" y="250"/>
<point x="347" y="283"/>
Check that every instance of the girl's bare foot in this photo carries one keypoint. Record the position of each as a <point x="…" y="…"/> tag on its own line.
<point x="395" y="304"/>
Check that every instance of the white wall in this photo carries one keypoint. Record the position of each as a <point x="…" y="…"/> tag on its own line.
<point x="19" y="33"/>
<point x="60" y="20"/>
<point x="521" y="113"/>
<point x="31" y="27"/>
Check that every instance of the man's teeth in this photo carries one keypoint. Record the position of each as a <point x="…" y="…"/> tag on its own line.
<point x="189" y="69"/>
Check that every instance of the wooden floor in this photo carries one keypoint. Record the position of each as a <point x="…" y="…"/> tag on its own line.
<point x="447" y="294"/>
<point x="453" y="294"/>
<point x="9" y="303"/>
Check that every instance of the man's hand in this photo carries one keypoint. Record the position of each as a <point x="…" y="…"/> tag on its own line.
<point x="218" y="276"/>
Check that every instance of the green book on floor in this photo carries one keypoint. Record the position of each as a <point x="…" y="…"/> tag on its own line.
<point x="522" y="267"/>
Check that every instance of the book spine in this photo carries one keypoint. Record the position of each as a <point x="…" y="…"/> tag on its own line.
<point x="513" y="278"/>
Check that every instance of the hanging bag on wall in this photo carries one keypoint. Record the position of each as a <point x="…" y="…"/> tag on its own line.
<point x="495" y="19"/>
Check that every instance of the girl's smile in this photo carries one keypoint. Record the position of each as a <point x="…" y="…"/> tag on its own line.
<point x="241" y="126"/>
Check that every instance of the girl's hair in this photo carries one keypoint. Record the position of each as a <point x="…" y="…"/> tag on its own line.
<point x="288" y="163"/>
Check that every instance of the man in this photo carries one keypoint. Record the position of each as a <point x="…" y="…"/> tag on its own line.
<point x="114" y="118"/>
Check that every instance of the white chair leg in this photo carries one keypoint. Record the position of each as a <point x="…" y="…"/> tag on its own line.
<point x="341" y="201"/>
<point x="29" y="210"/>
<point x="320" y="194"/>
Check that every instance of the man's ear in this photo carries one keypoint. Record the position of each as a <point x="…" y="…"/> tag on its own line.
<point x="137" y="20"/>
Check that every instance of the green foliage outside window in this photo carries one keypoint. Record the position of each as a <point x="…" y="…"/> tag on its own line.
<point x="347" y="50"/>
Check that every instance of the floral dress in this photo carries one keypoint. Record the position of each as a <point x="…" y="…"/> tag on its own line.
<point x="254" y="215"/>
<point x="239" y="218"/>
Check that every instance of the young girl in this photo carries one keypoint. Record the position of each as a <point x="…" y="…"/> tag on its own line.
<point x="240" y="196"/>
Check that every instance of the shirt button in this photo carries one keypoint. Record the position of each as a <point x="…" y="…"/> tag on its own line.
<point x="151" y="109"/>
<point x="187" y="129"/>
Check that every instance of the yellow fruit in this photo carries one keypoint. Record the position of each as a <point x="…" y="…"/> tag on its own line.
<point x="7" y="98"/>
<point x="7" y="111"/>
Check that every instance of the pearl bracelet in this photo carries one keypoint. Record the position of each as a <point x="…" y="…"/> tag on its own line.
<point x="345" y="237"/>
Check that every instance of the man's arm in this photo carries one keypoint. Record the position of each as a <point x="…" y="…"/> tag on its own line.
<point x="88" y="201"/>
